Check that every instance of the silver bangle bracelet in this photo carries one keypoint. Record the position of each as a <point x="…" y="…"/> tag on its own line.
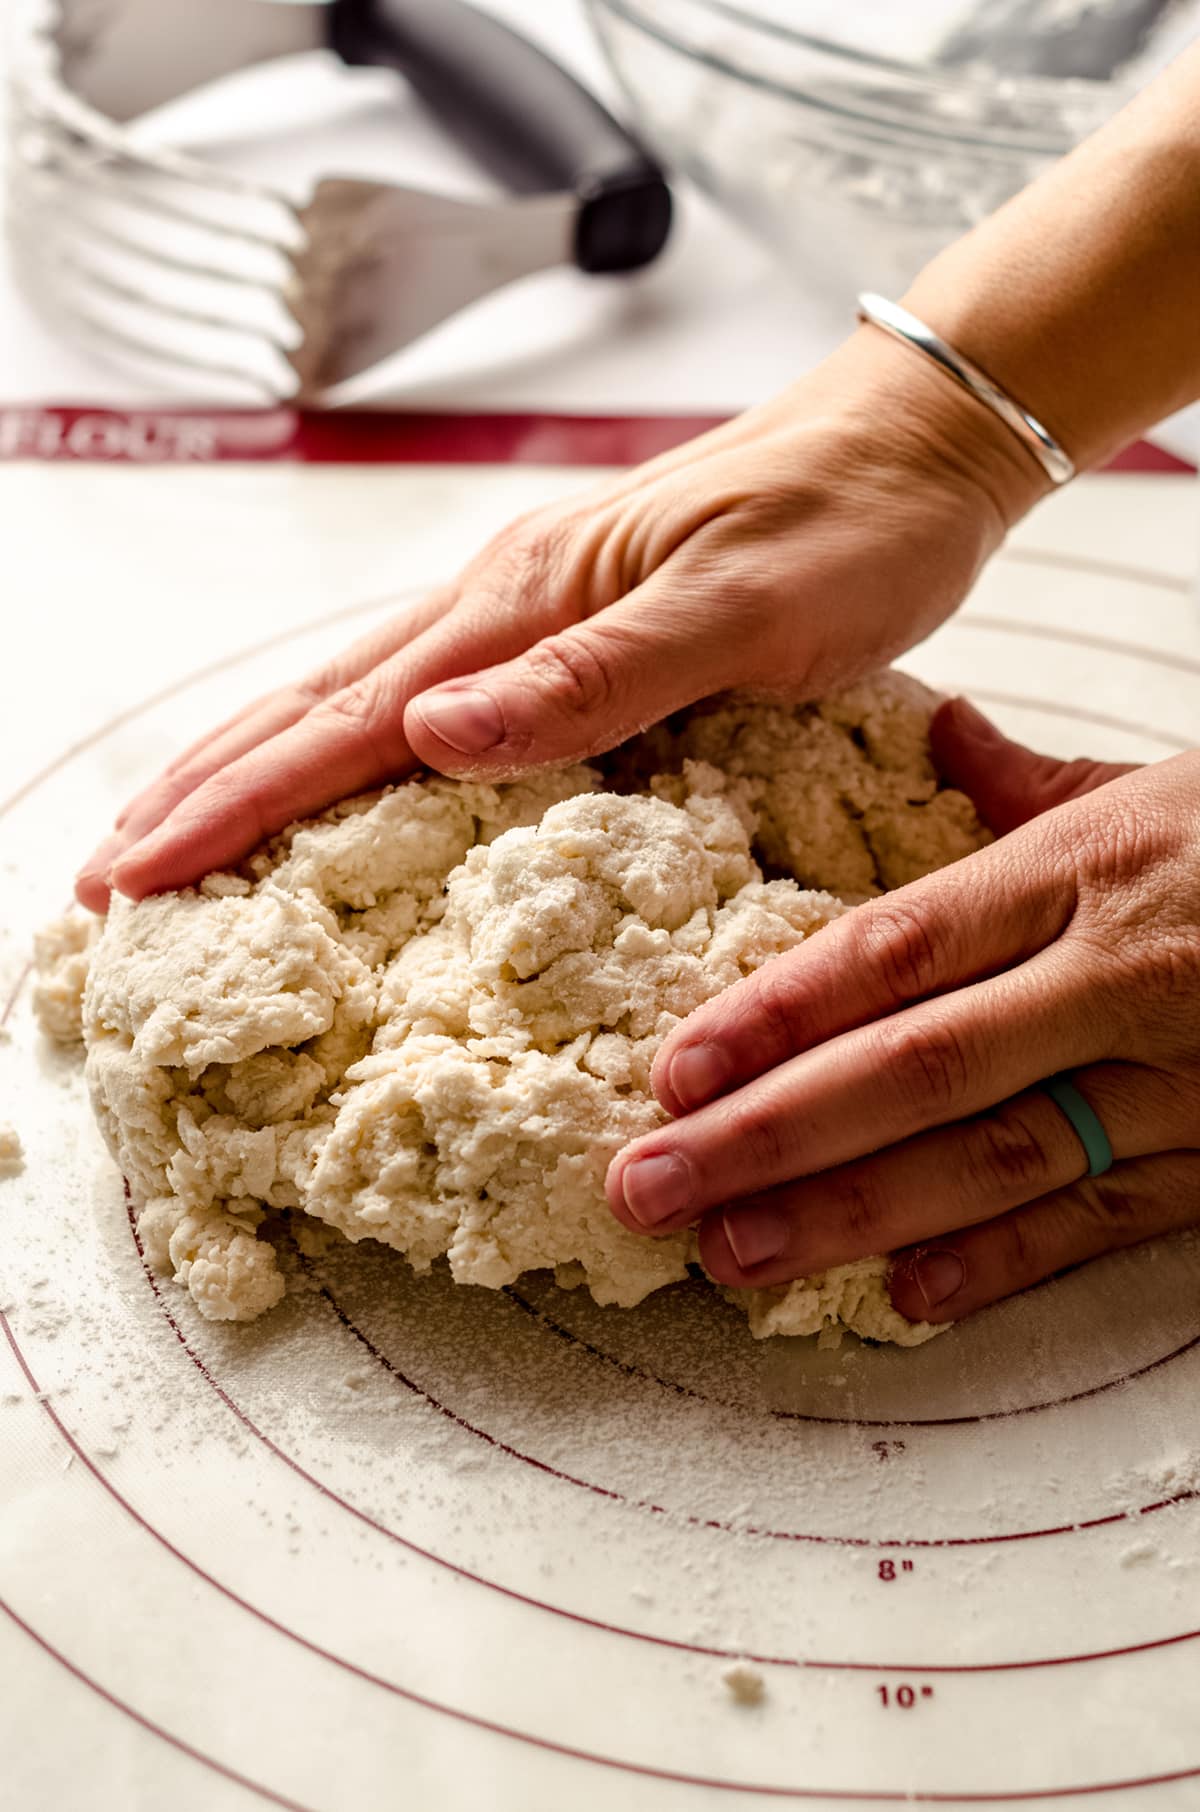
<point x="894" y="320"/>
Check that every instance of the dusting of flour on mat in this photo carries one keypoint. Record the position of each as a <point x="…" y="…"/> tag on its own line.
<point x="428" y="1017"/>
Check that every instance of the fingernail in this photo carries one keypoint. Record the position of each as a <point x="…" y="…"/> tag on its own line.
<point x="656" y="1188"/>
<point x="938" y="1276"/>
<point x="93" y="889"/>
<point x="697" y="1073"/>
<point x="467" y="721"/>
<point x="755" y="1234"/>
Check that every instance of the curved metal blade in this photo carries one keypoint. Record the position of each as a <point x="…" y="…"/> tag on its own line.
<point x="382" y="265"/>
<point x="125" y="57"/>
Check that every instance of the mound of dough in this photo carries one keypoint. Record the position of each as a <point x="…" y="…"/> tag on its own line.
<point x="428" y="1017"/>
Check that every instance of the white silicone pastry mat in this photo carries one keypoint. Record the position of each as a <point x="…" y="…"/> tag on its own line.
<point x="403" y="1545"/>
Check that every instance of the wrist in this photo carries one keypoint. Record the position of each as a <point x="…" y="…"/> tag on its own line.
<point x="1078" y="295"/>
<point x="917" y="416"/>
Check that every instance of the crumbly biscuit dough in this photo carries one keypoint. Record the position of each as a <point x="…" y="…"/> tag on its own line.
<point x="428" y="1017"/>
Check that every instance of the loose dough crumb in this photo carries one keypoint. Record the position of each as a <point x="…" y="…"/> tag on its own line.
<point x="745" y="1682"/>
<point x="12" y="1154"/>
<point x="428" y="1017"/>
<point x="61" y="953"/>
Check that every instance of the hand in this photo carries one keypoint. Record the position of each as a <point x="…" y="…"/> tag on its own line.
<point x="876" y="1089"/>
<point x="793" y="549"/>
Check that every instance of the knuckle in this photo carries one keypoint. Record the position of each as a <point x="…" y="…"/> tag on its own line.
<point x="225" y="798"/>
<point x="361" y="707"/>
<point x="364" y="711"/>
<point x="217" y="791"/>
<point x="926" y="1065"/>
<point x="896" y="943"/>
<point x="1021" y="1258"/>
<point x="1180" y="1096"/>
<point x="862" y="1211"/>
<point x="1005" y="1146"/>
<point x="1115" y="840"/>
<point x="530" y="550"/>
<point x="1172" y="969"/>
<point x="314" y="689"/>
<point x="572" y="673"/>
<point x="353" y="706"/>
<point x="1110" y="1206"/>
<point x="1177" y="1184"/>
<point x="1144" y="967"/>
<point x="772" y="1013"/>
<point x="755" y="1133"/>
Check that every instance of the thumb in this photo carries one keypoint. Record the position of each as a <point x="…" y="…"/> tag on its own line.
<point x="582" y="690"/>
<point x="1008" y="783"/>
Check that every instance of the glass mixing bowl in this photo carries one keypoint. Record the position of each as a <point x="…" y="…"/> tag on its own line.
<point x="857" y="136"/>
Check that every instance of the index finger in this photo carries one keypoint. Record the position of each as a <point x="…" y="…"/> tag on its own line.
<point x="960" y="925"/>
<point x="253" y="725"/>
<point x="348" y="742"/>
<point x="272" y="712"/>
<point x="938" y="1062"/>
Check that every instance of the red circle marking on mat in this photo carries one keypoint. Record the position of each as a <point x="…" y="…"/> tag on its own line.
<point x="698" y="1522"/>
<point x="841" y="1795"/>
<point x="616" y="1629"/>
<point x="148" y="1724"/>
<point x="800" y="1415"/>
<point x="537" y="1742"/>
<point x="643" y="1770"/>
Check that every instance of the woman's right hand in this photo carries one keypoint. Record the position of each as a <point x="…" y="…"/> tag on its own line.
<point x="792" y="550"/>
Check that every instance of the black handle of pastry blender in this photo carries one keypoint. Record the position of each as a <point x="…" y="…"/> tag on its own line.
<point x="519" y="115"/>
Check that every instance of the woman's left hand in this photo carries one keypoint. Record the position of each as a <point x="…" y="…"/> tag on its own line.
<point x="876" y="1090"/>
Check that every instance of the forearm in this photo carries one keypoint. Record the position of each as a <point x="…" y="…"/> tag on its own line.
<point x="1081" y="296"/>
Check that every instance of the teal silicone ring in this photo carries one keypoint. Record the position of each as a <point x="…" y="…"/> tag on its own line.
<point x="1092" y="1136"/>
